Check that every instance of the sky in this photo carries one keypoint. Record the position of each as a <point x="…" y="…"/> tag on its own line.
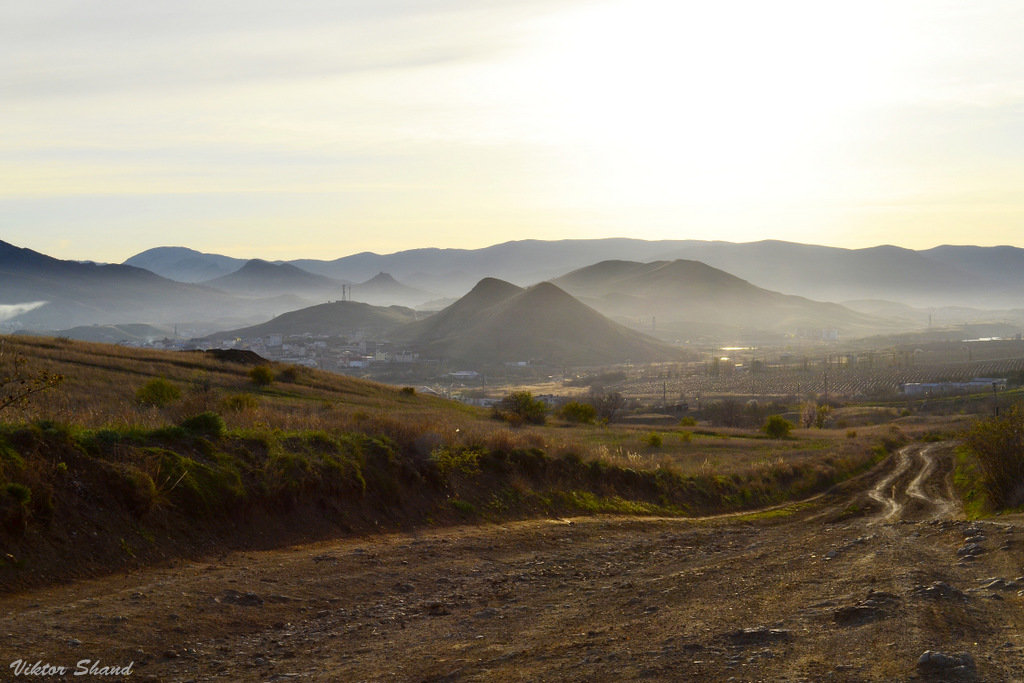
<point x="323" y="128"/>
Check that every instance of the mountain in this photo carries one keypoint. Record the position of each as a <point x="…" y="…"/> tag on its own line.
<point x="834" y="274"/>
<point x="1001" y="266"/>
<point x="337" y="318"/>
<point x="498" y="322"/>
<point x="86" y="293"/>
<point x="383" y="289"/>
<point x="185" y="265"/>
<point x="684" y="297"/>
<point x="89" y="294"/>
<point x="947" y="275"/>
<point x="262" y="278"/>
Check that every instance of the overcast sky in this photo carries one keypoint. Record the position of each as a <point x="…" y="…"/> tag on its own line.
<point x="319" y="129"/>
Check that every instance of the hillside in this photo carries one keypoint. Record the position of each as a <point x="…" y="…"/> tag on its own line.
<point x="262" y="279"/>
<point x="185" y="265"/>
<point x="687" y="296"/>
<point x="337" y="318"/>
<point x="498" y="322"/>
<point x="384" y="290"/>
<point x="157" y="455"/>
<point x="87" y="293"/>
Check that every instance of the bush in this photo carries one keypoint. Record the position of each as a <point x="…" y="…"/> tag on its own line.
<point x="654" y="440"/>
<point x="157" y="393"/>
<point x="688" y="422"/>
<point x="521" y="406"/>
<point x="408" y="391"/>
<point x="238" y="403"/>
<point x="20" y="493"/>
<point x="204" y="424"/>
<point x="777" y="427"/>
<point x="998" y="446"/>
<point x="261" y="375"/>
<point x="574" y="411"/>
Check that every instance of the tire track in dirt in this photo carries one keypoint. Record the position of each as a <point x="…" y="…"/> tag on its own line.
<point x="884" y="492"/>
<point x="928" y="487"/>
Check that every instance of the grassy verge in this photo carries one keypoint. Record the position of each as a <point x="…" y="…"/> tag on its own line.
<point x="969" y="484"/>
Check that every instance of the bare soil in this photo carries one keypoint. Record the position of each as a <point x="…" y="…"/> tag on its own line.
<point x="854" y="585"/>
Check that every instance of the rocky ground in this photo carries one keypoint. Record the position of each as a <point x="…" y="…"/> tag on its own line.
<point x="880" y="581"/>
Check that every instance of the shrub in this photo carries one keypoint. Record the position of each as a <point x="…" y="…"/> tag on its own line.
<point x="654" y="440"/>
<point x="521" y="406"/>
<point x="237" y="403"/>
<point x="157" y="392"/>
<point x="574" y="411"/>
<point x="261" y="375"/>
<point x="998" y="446"/>
<point x="408" y="391"/>
<point x="688" y="422"/>
<point x="777" y="427"/>
<point x="204" y="424"/>
<point x="20" y="493"/>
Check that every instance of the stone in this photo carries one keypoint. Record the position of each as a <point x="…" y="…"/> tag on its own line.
<point x="939" y="664"/>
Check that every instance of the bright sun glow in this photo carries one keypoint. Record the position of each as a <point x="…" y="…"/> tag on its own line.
<point x="711" y="102"/>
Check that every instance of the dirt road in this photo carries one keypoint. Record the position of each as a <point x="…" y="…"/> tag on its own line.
<point x="852" y="586"/>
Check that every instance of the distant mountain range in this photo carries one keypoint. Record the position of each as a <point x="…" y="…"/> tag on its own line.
<point x="984" y="277"/>
<point x="678" y="290"/>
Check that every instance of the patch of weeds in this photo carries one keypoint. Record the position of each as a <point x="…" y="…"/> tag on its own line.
<point x="237" y="403"/>
<point x="208" y="424"/>
<point x="969" y="483"/>
<point x="454" y="459"/>
<point x="464" y="507"/>
<point x="157" y="393"/>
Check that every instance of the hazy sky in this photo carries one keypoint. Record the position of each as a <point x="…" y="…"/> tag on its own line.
<point x="318" y="129"/>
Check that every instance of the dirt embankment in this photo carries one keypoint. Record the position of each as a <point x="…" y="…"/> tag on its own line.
<point x="854" y="586"/>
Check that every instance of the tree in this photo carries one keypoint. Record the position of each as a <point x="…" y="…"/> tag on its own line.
<point x="607" y="404"/>
<point x="777" y="427"/>
<point x="17" y="384"/>
<point x="574" y="411"/>
<point x="521" y="406"/>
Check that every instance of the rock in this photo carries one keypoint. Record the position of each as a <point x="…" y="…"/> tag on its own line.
<point x="941" y="665"/>
<point x="940" y="590"/>
<point x="436" y="609"/>
<point x="760" y="635"/>
<point x="970" y="550"/>
<point x="875" y="606"/>
<point x="404" y="588"/>
<point x="1000" y="584"/>
<point x="486" y="613"/>
<point x="233" y="597"/>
